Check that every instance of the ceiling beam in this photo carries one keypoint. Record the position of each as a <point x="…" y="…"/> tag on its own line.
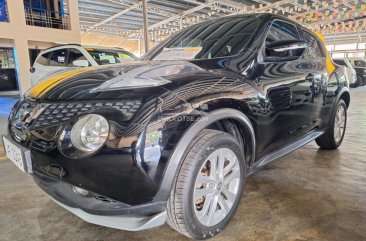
<point x="189" y="11"/>
<point x="133" y="7"/>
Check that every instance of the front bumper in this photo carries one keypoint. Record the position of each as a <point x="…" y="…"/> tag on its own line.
<point x="124" y="222"/>
<point x="98" y="209"/>
<point x="103" y="211"/>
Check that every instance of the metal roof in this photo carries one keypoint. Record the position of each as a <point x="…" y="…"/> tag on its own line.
<point x="124" y="17"/>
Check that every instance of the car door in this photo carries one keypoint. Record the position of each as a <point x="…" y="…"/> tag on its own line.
<point x="287" y="90"/>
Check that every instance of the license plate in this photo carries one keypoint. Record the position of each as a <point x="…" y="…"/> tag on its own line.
<point x="18" y="155"/>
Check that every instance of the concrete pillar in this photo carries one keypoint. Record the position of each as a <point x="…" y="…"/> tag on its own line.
<point x="22" y="64"/>
<point x="20" y="34"/>
<point x="16" y="12"/>
<point x="21" y="52"/>
<point x="73" y="11"/>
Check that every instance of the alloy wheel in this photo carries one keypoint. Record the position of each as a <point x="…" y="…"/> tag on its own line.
<point x="339" y="123"/>
<point x="216" y="187"/>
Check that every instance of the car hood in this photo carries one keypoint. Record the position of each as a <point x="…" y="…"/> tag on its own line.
<point x="138" y="78"/>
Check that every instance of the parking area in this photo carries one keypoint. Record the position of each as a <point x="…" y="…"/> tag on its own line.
<point x="311" y="194"/>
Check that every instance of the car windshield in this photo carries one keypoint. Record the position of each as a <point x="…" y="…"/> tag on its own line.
<point x="110" y="56"/>
<point x="212" y="39"/>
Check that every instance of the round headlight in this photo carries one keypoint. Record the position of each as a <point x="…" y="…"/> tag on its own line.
<point x="89" y="133"/>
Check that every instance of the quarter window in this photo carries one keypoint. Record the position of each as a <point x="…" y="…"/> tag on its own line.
<point x="58" y="58"/>
<point x="44" y="59"/>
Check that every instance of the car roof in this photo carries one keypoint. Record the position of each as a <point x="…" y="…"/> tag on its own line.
<point x="82" y="46"/>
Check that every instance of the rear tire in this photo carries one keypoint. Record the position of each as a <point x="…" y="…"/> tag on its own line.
<point x="333" y="136"/>
<point x="205" y="194"/>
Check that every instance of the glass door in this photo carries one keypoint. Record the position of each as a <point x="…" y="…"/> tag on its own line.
<point x="8" y="73"/>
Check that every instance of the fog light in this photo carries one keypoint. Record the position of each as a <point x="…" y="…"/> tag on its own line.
<point x="89" y="133"/>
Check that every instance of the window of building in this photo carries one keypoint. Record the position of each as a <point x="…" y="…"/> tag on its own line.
<point x="46" y="13"/>
<point x="8" y="76"/>
<point x="3" y="11"/>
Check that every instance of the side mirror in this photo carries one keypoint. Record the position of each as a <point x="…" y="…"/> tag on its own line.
<point x="80" y="63"/>
<point x="285" y="50"/>
<point x="32" y="70"/>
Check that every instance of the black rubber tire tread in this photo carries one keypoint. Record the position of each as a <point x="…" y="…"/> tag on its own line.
<point x="174" y="205"/>
<point x="327" y="141"/>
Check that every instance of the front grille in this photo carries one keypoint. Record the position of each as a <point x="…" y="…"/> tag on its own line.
<point x="29" y="115"/>
<point x="60" y="112"/>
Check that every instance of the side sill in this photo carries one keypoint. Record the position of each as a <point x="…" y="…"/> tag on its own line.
<point x="285" y="150"/>
<point x="123" y="222"/>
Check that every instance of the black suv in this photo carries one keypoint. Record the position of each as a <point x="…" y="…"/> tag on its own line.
<point x="174" y="135"/>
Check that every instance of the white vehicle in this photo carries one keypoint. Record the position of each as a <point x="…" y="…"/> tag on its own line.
<point x="64" y="58"/>
<point x="359" y="64"/>
<point x="350" y="71"/>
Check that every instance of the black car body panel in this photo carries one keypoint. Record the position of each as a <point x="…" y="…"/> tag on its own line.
<point x="275" y="103"/>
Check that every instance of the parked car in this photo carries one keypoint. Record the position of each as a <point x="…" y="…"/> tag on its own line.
<point x="359" y="65"/>
<point x="174" y="136"/>
<point x="350" y="72"/>
<point x="63" y="58"/>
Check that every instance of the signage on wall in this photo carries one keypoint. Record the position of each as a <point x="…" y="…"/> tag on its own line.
<point x="3" y="17"/>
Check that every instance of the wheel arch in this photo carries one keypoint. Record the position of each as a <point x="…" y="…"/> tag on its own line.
<point x="344" y="95"/>
<point x="176" y="158"/>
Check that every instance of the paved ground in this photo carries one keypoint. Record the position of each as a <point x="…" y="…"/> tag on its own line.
<point x="6" y="103"/>
<point x="310" y="194"/>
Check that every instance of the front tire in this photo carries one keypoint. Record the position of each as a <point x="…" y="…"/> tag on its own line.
<point x="333" y="137"/>
<point x="207" y="190"/>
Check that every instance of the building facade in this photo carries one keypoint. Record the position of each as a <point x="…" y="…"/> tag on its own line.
<point x="27" y="27"/>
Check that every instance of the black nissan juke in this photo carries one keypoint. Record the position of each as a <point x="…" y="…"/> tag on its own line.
<point x="173" y="136"/>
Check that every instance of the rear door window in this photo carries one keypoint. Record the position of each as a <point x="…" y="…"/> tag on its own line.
<point x="58" y="58"/>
